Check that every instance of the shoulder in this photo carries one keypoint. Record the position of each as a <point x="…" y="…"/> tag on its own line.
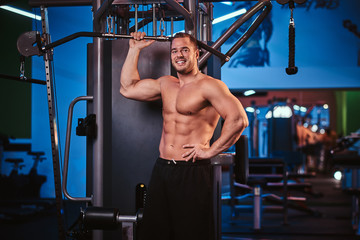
<point x="211" y="85"/>
<point x="206" y="80"/>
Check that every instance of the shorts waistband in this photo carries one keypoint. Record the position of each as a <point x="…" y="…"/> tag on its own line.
<point x="177" y="162"/>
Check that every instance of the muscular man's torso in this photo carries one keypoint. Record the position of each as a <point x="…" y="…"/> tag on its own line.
<point x="188" y="118"/>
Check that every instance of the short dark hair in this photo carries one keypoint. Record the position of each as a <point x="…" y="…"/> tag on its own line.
<point x="185" y="35"/>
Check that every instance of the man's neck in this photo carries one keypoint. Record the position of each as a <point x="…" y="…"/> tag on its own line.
<point x="188" y="77"/>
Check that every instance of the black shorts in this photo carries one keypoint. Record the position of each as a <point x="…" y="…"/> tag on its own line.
<point x="179" y="203"/>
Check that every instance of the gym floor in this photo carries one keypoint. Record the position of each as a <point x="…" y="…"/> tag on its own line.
<point x="330" y="218"/>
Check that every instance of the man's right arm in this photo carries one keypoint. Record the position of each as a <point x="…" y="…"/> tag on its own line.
<point x="131" y="86"/>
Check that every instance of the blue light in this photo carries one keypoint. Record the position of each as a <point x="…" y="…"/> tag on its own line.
<point x="228" y="16"/>
<point x="227" y="3"/>
<point x="21" y="12"/>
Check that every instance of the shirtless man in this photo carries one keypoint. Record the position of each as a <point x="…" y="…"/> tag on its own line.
<point x="178" y="204"/>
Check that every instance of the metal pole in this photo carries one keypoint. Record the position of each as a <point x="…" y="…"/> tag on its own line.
<point x="257" y="7"/>
<point x="209" y="19"/>
<point x="67" y="150"/>
<point x="201" y="29"/>
<point x="249" y="31"/>
<point x="257" y="207"/>
<point x="192" y="7"/>
<point x="216" y="172"/>
<point x="154" y="20"/>
<point x="98" y="151"/>
<point x="136" y="17"/>
<point x="183" y="11"/>
<point x="53" y="123"/>
<point x="172" y="26"/>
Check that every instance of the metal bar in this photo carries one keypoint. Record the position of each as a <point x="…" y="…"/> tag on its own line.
<point x="217" y="179"/>
<point x="249" y="31"/>
<point x="257" y="207"/>
<point x="108" y="35"/>
<point x="69" y="38"/>
<point x="98" y="105"/>
<point x="209" y="19"/>
<point x="172" y="26"/>
<point x="136" y="17"/>
<point x="67" y="149"/>
<point x="100" y="12"/>
<point x="191" y="24"/>
<point x="180" y="9"/>
<point x="231" y="30"/>
<point x="97" y="35"/>
<point x="149" y="14"/>
<point x="26" y="80"/>
<point x="213" y="51"/>
<point x="142" y="23"/>
<point x="53" y="124"/>
<point x="126" y="218"/>
<point x="216" y="165"/>
<point x="154" y="19"/>
<point x="201" y="24"/>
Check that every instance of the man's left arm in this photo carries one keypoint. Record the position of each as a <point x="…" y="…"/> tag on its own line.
<point x="235" y="120"/>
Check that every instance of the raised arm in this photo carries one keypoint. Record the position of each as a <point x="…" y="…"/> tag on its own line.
<point x="131" y="86"/>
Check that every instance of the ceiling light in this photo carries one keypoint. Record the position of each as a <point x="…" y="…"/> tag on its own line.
<point x="227" y="3"/>
<point x="250" y="109"/>
<point x="338" y="175"/>
<point x="249" y="92"/>
<point x="296" y="107"/>
<point x="21" y="12"/>
<point x="228" y="16"/>
<point x="303" y="109"/>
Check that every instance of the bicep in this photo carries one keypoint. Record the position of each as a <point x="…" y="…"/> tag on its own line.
<point x="143" y="90"/>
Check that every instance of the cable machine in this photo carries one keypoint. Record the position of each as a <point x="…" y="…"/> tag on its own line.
<point x="110" y="162"/>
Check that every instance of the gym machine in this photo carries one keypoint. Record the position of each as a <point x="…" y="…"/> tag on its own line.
<point x="114" y="164"/>
<point x="345" y="157"/>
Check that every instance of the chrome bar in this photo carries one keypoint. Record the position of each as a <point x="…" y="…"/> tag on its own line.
<point x="231" y="30"/>
<point x="67" y="150"/>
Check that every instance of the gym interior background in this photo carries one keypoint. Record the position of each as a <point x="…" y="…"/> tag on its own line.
<point x="327" y="57"/>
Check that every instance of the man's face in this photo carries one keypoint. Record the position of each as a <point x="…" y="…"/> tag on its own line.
<point x="184" y="55"/>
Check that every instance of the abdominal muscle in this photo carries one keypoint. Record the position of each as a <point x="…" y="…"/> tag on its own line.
<point x="179" y="129"/>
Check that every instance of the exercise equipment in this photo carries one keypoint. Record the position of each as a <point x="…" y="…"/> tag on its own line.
<point x="95" y="218"/>
<point x="19" y="186"/>
<point x="27" y="46"/>
<point x="249" y="176"/>
<point x="16" y="165"/>
<point x="27" y="80"/>
<point x="110" y="159"/>
<point x="348" y="161"/>
<point x="291" y="69"/>
<point x="22" y="77"/>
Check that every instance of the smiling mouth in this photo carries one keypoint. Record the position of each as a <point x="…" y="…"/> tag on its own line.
<point x="180" y="61"/>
